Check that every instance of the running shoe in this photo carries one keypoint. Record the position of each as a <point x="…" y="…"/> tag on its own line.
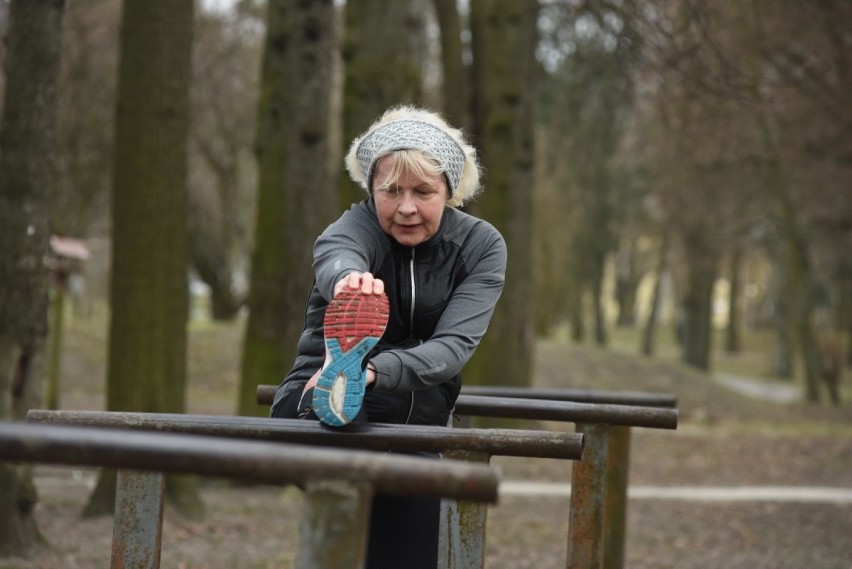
<point x="353" y="324"/>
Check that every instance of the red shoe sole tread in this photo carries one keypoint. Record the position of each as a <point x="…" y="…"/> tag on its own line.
<point x="353" y="316"/>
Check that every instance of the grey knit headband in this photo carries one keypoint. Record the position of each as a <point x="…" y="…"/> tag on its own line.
<point x="407" y="134"/>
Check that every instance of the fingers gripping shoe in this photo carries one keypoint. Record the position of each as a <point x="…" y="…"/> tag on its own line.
<point x="353" y="324"/>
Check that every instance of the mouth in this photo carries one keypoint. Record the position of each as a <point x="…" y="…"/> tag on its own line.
<point x="407" y="227"/>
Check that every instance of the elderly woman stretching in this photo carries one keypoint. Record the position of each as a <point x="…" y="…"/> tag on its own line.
<point x="405" y="285"/>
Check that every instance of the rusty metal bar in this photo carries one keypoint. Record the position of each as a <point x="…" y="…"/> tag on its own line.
<point x="588" y="413"/>
<point x="461" y="544"/>
<point x="623" y="413"/>
<point x="266" y="393"/>
<point x="260" y="461"/>
<point x="615" y="505"/>
<point x="137" y="528"/>
<point x="335" y="525"/>
<point x="548" y="410"/>
<point x="640" y="398"/>
<point x="372" y="436"/>
<point x="588" y="495"/>
<point x="466" y="520"/>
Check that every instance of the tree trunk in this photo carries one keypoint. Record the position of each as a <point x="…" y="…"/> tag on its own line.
<point x="381" y="69"/>
<point x="213" y="234"/>
<point x="783" y="364"/>
<point x="845" y="325"/>
<point x="800" y="289"/>
<point x="148" y="286"/>
<point x="626" y="282"/>
<point x="649" y="334"/>
<point x="455" y="86"/>
<point x="296" y="196"/>
<point x="702" y="261"/>
<point x="597" y="284"/>
<point x="732" y="336"/>
<point x="27" y="166"/>
<point x="210" y="260"/>
<point x="577" y="317"/>
<point x="504" y="42"/>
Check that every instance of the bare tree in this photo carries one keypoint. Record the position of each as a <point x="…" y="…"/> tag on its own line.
<point x="148" y="286"/>
<point x="455" y="87"/>
<point x="296" y="188"/>
<point x="27" y="164"/>
<point x="504" y="38"/>
<point x="222" y="182"/>
<point x="81" y="196"/>
<point x="380" y="69"/>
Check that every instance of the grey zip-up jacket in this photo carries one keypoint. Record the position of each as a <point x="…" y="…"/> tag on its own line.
<point x="442" y="294"/>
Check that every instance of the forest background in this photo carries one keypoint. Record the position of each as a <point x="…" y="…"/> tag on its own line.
<point x="672" y="165"/>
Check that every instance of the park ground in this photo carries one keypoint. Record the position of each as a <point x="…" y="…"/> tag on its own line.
<point x="728" y="442"/>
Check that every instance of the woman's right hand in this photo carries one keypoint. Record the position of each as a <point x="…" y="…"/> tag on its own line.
<point x="365" y="282"/>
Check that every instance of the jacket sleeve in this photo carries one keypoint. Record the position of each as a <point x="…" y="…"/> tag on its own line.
<point x="346" y="246"/>
<point x="461" y="326"/>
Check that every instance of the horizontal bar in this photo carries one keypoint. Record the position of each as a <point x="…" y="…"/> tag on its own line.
<point x="266" y="393"/>
<point x="262" y="461"/>
<point x="641" y="398"/>
<point x="370" y="436"/>
<point x="544" y="410"/>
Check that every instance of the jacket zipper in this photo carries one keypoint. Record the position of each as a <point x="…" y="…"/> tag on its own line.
<point x="413" y="296"/>
<point x="411" y="323"/>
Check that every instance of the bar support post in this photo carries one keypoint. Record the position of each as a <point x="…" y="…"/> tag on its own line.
<point x="138" y="523"/>
<point x="588" y="495"/>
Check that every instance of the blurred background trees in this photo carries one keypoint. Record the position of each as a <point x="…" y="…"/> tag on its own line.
<point x="670" y="166"/>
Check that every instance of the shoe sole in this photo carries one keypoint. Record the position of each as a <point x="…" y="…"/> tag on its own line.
<point x="353" y="324"/>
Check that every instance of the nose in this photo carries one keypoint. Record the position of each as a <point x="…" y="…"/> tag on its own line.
<point x="406" y="204"/>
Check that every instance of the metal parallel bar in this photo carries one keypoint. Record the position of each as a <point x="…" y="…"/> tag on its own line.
<point x="615" y="508"/>
<point x="588" y="495"/>
<point x="548" y="410"/>
<point x="603" y="408"/>
<point x="335" y="525"/>
<point x="372" y="436"/>
<point x="640" y="398"/>
<point x="544" y="410"/>
<point x="461" y="544"/>
<point x="266" y="393"/>
<point x="137" y="528"/>
<point x="260" y="461"/>
<point x="551" y="410"/>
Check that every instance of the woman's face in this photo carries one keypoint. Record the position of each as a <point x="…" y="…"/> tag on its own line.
<point x="410" y="209"/>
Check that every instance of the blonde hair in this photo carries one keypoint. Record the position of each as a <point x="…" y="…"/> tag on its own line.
<point x="422" y="142"/>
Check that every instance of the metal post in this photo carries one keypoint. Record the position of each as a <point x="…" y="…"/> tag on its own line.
<point x="615" y="511"/>
<point x="335" y="524"/>
<point x="461" y="542"/>
<point x="138" y="524"/>
<point x="588" y="493"/>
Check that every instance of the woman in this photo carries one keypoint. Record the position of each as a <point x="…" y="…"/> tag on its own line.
<point x="441" y="271"/>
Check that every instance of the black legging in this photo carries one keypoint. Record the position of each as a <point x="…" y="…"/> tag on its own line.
<point x="403" y="530"/>
<point x="403" y="533"/>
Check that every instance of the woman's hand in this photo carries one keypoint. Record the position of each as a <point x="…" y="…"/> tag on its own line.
<point x="365" y="282"/>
